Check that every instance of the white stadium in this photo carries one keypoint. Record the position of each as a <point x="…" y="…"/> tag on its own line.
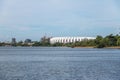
<point x="69" y="39"/>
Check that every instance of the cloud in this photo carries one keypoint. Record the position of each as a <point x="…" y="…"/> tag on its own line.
<point x="53" y="11"/>
<point x="55" y="16"/>
<point x="21" y="28"/>
<point x="15" y="28"/>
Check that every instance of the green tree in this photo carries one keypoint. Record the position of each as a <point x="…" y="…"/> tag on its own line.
<point x="99" y="42"/>
<point x="37" y="44"/>
<point x="112" y="40"/>
<point x="118" y="42"/>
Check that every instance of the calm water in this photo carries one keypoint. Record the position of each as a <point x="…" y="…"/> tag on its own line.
<point x="20" y="63"/>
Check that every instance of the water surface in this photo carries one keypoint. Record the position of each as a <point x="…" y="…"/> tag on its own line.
<point x="48" y="63"/>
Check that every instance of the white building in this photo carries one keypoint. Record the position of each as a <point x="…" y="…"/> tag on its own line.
<point x="68" y="39"/>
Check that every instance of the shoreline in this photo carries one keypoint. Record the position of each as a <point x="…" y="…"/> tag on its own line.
<point x="84" y="47"/>
<point x="112" y="47"/>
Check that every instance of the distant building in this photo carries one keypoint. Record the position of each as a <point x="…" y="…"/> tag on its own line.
<point x="28" y="41"/>
<point x="13" y="40"/>
<point x="45" y="39"/>
<point x="68" y="39"/>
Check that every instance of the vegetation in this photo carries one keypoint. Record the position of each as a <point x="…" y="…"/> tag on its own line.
<point x="100" y="42"/>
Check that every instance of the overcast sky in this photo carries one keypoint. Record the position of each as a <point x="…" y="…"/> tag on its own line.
<point x="34" y="18"/>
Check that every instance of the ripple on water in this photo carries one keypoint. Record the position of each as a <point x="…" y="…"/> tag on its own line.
<point x="84" y="70"/>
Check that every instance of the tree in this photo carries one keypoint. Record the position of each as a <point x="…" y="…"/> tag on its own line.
<point x="20" y="43"/>
<point x="118" y="42"/>
<point x="37" y="44"/>
<point x="112" y="40"/>
<point x="99" y="42"/>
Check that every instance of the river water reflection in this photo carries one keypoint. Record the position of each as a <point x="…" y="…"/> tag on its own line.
<point x="48" y="63"/>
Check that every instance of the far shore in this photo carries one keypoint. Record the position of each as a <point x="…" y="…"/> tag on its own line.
<point x="112" y="47"/>
<point x="84" y="47"/>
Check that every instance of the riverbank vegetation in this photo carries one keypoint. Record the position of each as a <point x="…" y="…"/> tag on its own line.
<point x="100" y="42"/>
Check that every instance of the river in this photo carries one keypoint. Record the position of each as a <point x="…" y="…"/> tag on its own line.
<point x="59" y="63"/>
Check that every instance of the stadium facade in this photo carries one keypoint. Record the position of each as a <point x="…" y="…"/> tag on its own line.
<point x="69" y="39"/>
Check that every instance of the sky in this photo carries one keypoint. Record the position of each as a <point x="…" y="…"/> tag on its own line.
<point x="35" y="18"/>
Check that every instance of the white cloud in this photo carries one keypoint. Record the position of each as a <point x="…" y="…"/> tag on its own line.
<point x="15" y="28"/>
<point x="25" y="15"/>
<point x="21" y="28"/>
<point x="50" y="11"/>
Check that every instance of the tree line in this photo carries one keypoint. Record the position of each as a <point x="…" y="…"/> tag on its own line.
<point x="100" y="42"/>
